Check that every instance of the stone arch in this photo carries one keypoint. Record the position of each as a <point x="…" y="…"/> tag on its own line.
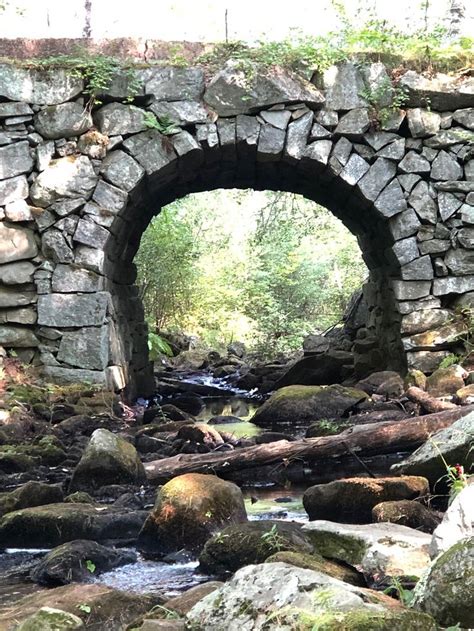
<point x="403" y="189"/>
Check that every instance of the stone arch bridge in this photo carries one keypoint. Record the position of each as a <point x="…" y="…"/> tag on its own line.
<point x="79" y="187"/>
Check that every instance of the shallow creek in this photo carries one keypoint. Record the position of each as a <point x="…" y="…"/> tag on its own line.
<point x="263" y="501"/>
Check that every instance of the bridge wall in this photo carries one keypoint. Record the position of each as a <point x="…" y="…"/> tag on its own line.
<point x="79" y="184"/>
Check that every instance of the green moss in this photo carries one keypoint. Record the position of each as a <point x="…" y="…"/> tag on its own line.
<point x="338" y="546"/>
<point x="360" y="620"/>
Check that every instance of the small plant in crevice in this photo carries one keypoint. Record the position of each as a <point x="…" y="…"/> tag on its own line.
<point x="398" y="590"/>
<point x="455" y="476"/>
<point x="273" y="539"/>
<point x="90" y="566"/>
<point x="164" y="124"/>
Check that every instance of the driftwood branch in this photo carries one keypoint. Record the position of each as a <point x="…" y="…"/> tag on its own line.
<point x="363" y="440"/>
<point x="430" y="404"/>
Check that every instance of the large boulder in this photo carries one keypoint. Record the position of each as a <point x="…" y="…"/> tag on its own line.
<point x="452" y="445"/>
<point x="457" y="524"/>
<point x="30" y="494"/>
<point x="99" y="607"/>
<point x="253" y="542"/>
<point x="107" y="459"/>
<point x="79" y="561"/>
<point x="187" y="511"/>
<point x="300" y="405"/>
<point x="352" y="500"/>
<point x="319" y="370"/>
<point x="381" y="551"/>
<point x="447" y="590"/>
<point x="282" y="596"/>
<point x="51" y="525"/>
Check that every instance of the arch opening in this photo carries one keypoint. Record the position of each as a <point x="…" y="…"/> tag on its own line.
<point x="211" y="170"/>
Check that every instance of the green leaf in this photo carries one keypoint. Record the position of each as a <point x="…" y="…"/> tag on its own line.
<point x="90" y="565"/>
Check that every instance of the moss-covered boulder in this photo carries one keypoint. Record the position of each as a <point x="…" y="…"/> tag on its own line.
<point x="78" y="561"/>
<point x="30" y="494"/>
<point x="101" y="608"/>
<point x="351" y="500"/>
<point x="47" y="450"/>
<point x="107" y="459"/>
<point x="187" y="511"/>
<point x="275" y="596"/>
<point x="51" y="525"/>
<point x="253" y="542"/>
<point x="49" y="619"/>
<point x="452" y="445"/>
<point x="318" y="563"/>
<point x="301" y="405"/>
<point x="447" y="590"/>
<point x="406" y="513"/>
<point x="446" y="381"/>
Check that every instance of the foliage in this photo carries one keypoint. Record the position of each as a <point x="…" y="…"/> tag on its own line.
<point x="157" y="346"/>
<point x="455" y="477"/>
<point x="362" y="36"/>
<point x="164" y="124"/>
<point x="90" y="566"/>
<point x="273" y="540"/>
<point x="405" y="596"/>
<point x="450" y="360"/>
<point x="266" y="268"/>
<point x="84" y="608"/>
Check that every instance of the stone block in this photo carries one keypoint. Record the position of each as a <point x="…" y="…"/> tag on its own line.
<point x="122" y="170"/>
<point x="69" y="177"/>
<point x="230" y="93"/>
<point x="453" y="285"/>
<point x="70" y="279"/>
<point x="418" y="269"/>
<point x="411" y="290"/>
<point x="174" y="84"/>
<point x="72" y="310"/>
<point x="17" y="273"/>
<point x="13" y="189"/>
<point x="16" y="243"/>
<point x="10" y="297"/>
<point x="91" y="234"/>
<point x="152" y="150"/>
<point x="297" y="136"/>
<point x="63" y="121"/>
<point x="270" y="143"/>
<point x="86" y="348"/>
<point x="376" y="178"/>
<point x="15" y="159"/>
<point x="38" y="87"/>
<point x="119" y="118"/>
<point x="343" y="85"/>
<point x="17" y="337"/>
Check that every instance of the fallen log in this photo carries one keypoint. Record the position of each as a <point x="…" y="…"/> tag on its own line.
<point x="365" y="440"/>
<point x="430" y="404"/>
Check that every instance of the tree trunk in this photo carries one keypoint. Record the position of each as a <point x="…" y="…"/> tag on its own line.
<point x="364" y="440"/>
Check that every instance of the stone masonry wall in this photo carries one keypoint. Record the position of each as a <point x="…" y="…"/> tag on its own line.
<point x="79" y="185"/>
